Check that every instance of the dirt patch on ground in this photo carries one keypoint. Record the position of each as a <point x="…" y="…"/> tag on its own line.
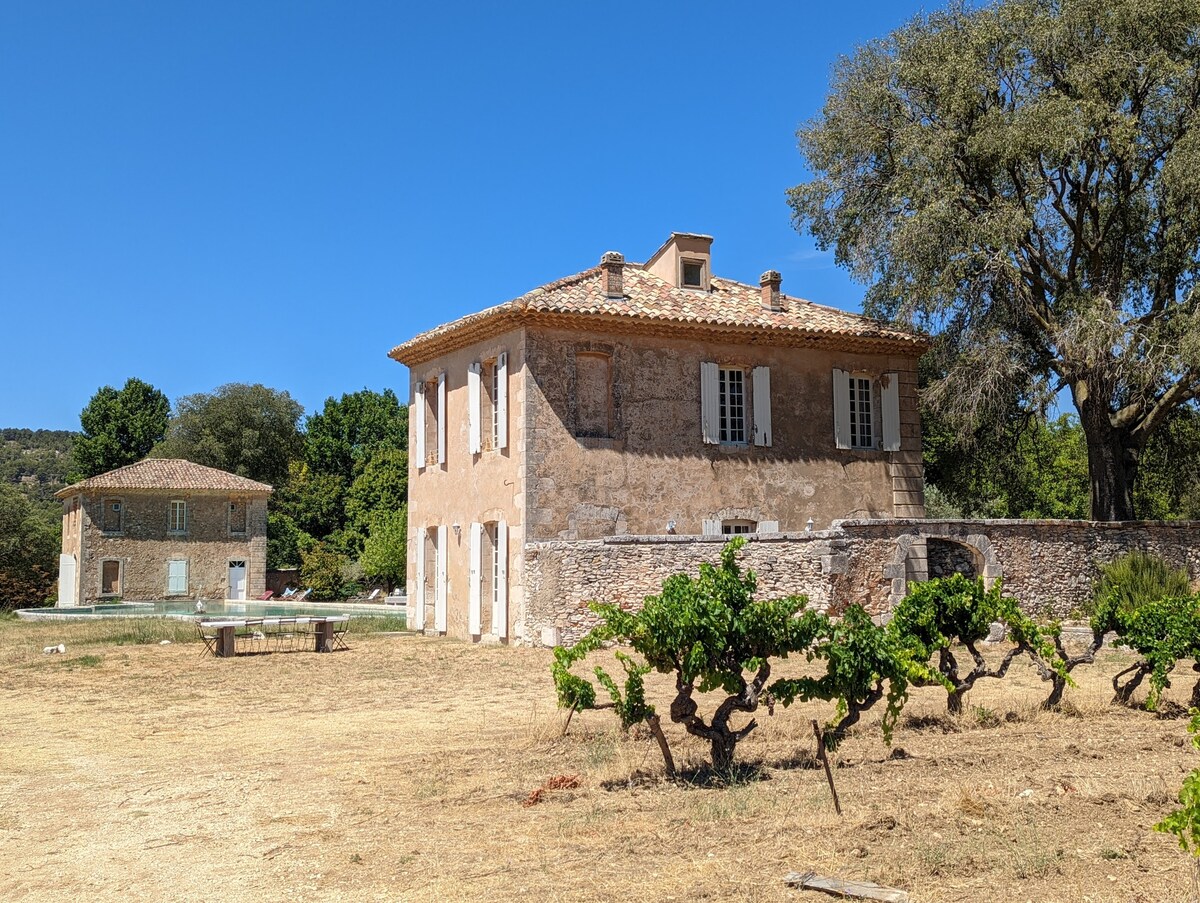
<point x="398" y="771"/>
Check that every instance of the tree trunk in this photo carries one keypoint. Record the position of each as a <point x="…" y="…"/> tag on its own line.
<point x="954" y="701"/>
<point x="723" y="746"/>
<point x="1112" y="458"/>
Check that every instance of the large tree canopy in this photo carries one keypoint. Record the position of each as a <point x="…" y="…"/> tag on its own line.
<point x="120" y="426"/>
<point x="252" y="431"/>
<point x="1025" y="179"/>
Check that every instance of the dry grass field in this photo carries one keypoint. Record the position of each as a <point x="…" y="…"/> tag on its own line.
<point x="397" y="771"/>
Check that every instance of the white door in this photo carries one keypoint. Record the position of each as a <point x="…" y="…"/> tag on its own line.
<point x="67" y="591"/>
<point x="237" y="580"/>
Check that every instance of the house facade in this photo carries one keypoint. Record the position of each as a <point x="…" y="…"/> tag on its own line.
<point x="644" y="399"/>
<point x="163" y="529"/>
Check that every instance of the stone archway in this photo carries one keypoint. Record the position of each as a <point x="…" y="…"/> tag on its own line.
<point x="927" y="553"/>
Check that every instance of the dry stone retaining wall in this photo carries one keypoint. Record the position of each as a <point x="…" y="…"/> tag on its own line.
<point x="1050" y="566"/>
<point x="562" y="577"/>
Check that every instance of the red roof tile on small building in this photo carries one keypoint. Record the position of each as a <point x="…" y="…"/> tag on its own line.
<point x="167" y="473"/>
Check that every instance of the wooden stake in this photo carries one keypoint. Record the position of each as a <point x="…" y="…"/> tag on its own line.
<point x="825" y="761"/>
<point x="657" y="731"/>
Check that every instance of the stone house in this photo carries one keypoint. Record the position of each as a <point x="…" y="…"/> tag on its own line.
<point x="643" y="399"/>
<point x="163" y="529"/>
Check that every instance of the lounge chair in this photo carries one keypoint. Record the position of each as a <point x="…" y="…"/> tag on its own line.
<point x="374" y="595"/>
<point x="288" y="593"/>
<point x="269" y="594"/>
<point x="302" y="596"/>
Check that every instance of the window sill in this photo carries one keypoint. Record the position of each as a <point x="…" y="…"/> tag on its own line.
<point x="601" y="442"/>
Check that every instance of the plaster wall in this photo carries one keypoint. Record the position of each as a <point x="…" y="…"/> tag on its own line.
<point x="655" y="467"/>
<point x="468" y="488"/>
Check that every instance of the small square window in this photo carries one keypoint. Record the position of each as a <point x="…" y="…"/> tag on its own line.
<point x="693" y="273"/>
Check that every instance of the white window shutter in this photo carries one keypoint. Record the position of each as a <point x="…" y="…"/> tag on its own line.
<point x="761" y="411"/>
<point x="710" y="403"/>
<point x="768" y="526"/>
<point x="500" y="604"/>
<point x="474" y="444"/>
<point x="419" y="613"/>
<point x="177" y="579"/>
<point x="889" y="391"/>
<point x="841" y="408"/>
<point x="419" y="424"/>
<point x="441" y="417"/>
<point x="502" y="400"/>
<point x="476" y="589"/>
<point x="712" y="527"/>
<point x="439" y="609"/>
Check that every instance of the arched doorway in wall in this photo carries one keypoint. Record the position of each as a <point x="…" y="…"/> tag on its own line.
<point x="946" y="557"/>
<point x="920" y="556"/>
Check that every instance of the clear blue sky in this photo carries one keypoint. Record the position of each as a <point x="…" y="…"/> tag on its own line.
<point x="197" y="193"/>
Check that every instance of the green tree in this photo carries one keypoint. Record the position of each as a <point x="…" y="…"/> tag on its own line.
<point x="249" y="430"/>
<point x="323" y="569"/>
<point x="381" y="487"/>
<point x="285" y="541"/>
<point x="1168" y="486"/>
<point x="385" y="553"/>
<point x="30" y="540"/>
<point x="344" y="435"/>
<point x="120" y="426"/>
<point x="1025" y="178"/>
<point x="313" y="501"/>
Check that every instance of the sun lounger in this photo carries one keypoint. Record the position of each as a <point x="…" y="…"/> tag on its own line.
<point x="269" y="594"/>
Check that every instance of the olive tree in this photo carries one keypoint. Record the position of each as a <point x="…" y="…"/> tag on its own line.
<point x="1024" y="178"/>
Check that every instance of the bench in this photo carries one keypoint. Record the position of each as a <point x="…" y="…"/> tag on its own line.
<point x="229" y="636"/>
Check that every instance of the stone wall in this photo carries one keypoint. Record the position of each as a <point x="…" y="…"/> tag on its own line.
<point x="564" y="576"/>
<point x="1049" y="566"/>
<point x="143" y="545"/>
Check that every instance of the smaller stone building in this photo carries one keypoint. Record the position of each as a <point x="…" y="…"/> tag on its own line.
<point x="163" y="529"/>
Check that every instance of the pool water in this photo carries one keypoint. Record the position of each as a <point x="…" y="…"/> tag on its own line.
<point x="213" y="608"/>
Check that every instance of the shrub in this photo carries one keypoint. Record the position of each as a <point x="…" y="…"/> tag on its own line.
<point x="712" y="634"/>
<point x="936" y="614"/>
<point x="1163" y="631"/>
<point x="1184" y="822"/>
<point x="322" y="568"/>
<point x="1131" y="580"/>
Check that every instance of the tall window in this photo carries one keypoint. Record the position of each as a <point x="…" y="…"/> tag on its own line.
<point x="432" y="414"/>
<point x="593" y="395"/>
<point x="237" y="516"/>
<point x="862" y="434"/>
<point x="177" y="516"/>
<point x="489" y="411"/>
<point x="177" y="577"/>
<point x="111" y="521"/>
<point x="110" y="578"/>
<point x="732" y="399"/>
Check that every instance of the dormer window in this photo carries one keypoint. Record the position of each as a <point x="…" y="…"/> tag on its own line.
<point x="692" y="273"/>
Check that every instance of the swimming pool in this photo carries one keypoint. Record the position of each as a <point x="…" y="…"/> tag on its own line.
<point x="184" y="609"/>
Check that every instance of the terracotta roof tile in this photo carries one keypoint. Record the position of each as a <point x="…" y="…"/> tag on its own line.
<point x="651" y="300"/>
<point x="167" y="473"/>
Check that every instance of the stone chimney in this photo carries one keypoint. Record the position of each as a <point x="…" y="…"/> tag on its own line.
<point x="770" y="282"/>
<point x="612" y="274"/>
